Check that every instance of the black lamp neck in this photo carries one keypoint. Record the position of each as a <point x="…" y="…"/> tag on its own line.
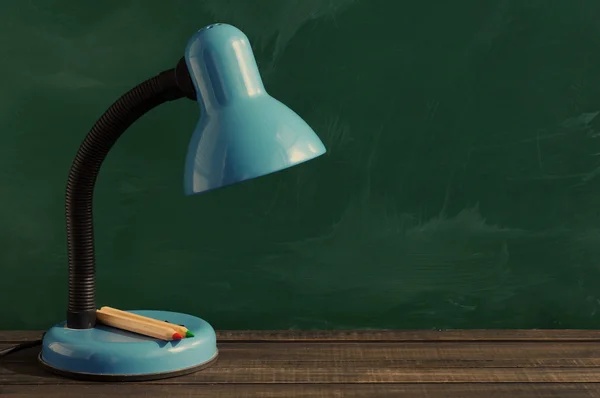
<point x="167" y="86"/>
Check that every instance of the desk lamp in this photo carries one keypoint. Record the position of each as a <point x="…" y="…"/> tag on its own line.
<point x="243" y="133"/>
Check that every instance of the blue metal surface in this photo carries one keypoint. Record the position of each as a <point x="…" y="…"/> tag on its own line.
<point x="243" y="132"/>
<point x="106" y="351"/>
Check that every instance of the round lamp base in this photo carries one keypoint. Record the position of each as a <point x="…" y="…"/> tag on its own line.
<point x="109" y="354"/>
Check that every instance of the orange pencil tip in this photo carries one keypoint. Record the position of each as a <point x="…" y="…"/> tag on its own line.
<point x="176" y="336"/>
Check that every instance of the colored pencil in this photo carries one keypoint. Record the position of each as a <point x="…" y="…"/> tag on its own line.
<point x="182" y="330"/>
<point x="162" y="332"/>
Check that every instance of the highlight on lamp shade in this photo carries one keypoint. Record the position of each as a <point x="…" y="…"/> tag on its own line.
<point x="243" y="132"/>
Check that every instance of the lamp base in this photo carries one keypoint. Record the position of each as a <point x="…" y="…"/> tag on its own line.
<point x="104" y="353"/>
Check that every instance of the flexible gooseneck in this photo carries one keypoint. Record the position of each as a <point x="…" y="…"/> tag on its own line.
<point x="167" y="86"/>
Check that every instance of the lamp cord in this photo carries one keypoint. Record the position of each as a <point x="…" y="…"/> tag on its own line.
<point x="167" y="86"/>
<point x="22" y="346"/>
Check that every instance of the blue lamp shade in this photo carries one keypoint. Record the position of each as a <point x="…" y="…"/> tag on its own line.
<point x="243" y="132"/>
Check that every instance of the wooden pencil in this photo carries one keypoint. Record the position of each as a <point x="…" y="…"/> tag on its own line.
<point x="162" y="332"/>
<point x="182" y="330"/>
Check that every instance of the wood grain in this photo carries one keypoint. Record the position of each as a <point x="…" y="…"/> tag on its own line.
<point x="487" y="390"/>
<point x="271" y="367"/>
<point x="12" y="336"/>
<point x="411" y="355"/>
<point x="409" y="335"/>
<point x="559" y="363"/>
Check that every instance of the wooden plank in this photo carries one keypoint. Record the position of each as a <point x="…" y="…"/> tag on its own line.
<point x="344" y="361"/>
<point x="357" y="374"/>
<point x="308" y="391"/>
<point x="351" y="352"/>
<point x="14" y="336"/>
<point x="19" y="336"/>
<point x="340" y="375"/>
<point x="408" y="335"/>
<point x="393" y="355"/>
<point x="225" y="361"/>
<point x="232" y="372"/>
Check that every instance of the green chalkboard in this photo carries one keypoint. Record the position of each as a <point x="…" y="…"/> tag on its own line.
<point x="460" y="188"/>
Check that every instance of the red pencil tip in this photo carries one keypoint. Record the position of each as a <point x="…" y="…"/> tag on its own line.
<point x="176" y="336"/>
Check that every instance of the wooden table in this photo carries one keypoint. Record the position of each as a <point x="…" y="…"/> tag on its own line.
<point x="458" y="364"/>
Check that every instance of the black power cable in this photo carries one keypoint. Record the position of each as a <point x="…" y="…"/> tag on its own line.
<point x="22" y="346"/>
